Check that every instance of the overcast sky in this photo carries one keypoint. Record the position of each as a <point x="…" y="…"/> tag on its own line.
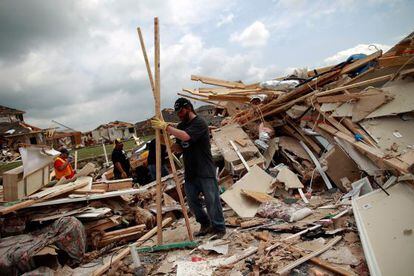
<point x="80" y="63"/>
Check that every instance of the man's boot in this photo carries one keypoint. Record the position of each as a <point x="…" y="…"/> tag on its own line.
<point x="204" y="230"/>
<point x="218" y="234"/>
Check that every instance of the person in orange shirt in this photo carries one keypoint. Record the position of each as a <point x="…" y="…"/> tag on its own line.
<point x="62" y="165"/>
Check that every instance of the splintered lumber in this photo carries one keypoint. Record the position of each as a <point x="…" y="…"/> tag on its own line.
<point x="258" y="196"/>
<point x="51" y="192"/>
<point x="218" y="82"/>
<point x="360" y="62"/>
<point x="307" y="257"/>
<point x="124" y="252"/>
<point x="236" y="149"/>
<point x="238" y="257"/>
<point x="122" y="234"/>
<point x="336" y="269"/>
<point x="201" y="100"/>
<point x="395" y="61"/>
<point x="332" y="120"/>
<point x="113" y="185"/>
<point x="355" y="85"/>
<point x="373" y="153"/>
<point x="171" y="157"/>
<point x="102" y="224"/>
<point x="132" y="229"/>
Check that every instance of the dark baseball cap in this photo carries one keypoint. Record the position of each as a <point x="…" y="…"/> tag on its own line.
<point x="64" y="151"/>
<point x="182" y="102"/>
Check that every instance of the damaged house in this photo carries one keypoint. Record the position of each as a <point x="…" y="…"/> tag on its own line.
<point x="114" y="130"/>
<point x="14" y="131"/>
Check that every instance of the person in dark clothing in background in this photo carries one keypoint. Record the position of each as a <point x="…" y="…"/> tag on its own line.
<point x="152" y="160"/>
<point x="193" y="140"/>
<point x="120" y="161"/>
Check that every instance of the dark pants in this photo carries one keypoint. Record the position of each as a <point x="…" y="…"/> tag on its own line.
<point x="153" y="171"/>
<point x="209" y="188"/>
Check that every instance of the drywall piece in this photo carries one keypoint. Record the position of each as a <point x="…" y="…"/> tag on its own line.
<point x="35" y="158"/>
<point x="344" y="110"/>
<point x="328" y="107"/>
<point x="289" y="178"/>
<point x="293" y="146"/>
<point x="348" y="168"/>
<point x="223" y="135"/>
<point x="387" y="131"/>
<point x="363" y="185"/>
<point x="385" y="225"/>
<point x="372" y="99"/>
<point x="296" y="111"/>
<point x="256" y="180"/>
<point x="364" y="163"/>
<point x="271" y="150"/>
<point x="402" y="91"/>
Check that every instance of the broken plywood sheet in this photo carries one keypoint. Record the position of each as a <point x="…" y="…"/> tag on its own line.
<point x="292" y="145"/>
<point x="385" y="225"/>
<point x="348" y="168"/>
<point x="371" y="100"/>
<point x="256" y="180"/>
<point x="223" y="135"/>
<point x="403" y="101"/>
<point x="387" y="131"/>
<point x="258" y="196"/>
<point x="289" y="178"/>
<point x="364" y="163"/>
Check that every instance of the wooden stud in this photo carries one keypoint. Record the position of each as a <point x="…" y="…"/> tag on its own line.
<point x="157" y="132"/>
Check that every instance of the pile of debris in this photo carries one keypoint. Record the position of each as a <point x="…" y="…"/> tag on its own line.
<point x="315" y="172"/>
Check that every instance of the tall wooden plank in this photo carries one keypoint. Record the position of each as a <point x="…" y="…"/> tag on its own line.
<point x="157" y="132"/>
<point x="167" y="142"/>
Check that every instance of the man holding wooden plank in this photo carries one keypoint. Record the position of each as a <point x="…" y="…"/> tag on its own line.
<point x="193" y="140"/>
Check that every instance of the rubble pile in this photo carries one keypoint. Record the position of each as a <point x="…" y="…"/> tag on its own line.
<point x="315" y="173"/>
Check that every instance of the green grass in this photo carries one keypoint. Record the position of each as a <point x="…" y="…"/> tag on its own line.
<point x="9" y="166"/>
<point x="95" y="151"/>
<point x="85" y="153"/>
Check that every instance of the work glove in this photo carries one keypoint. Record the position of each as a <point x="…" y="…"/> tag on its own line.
<point x="159" y="124"/>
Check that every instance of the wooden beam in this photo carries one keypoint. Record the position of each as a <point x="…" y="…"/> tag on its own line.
<point x="201" y="100"/>
<point x="395" y="61"/>
<point x="355" y="85"/>
<point x="218" y="82"/>
<point x="356" y="130"/>
<point x="360" y="62"/>
<point x="307" y="257"/>
<point x="332" y="120"/>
